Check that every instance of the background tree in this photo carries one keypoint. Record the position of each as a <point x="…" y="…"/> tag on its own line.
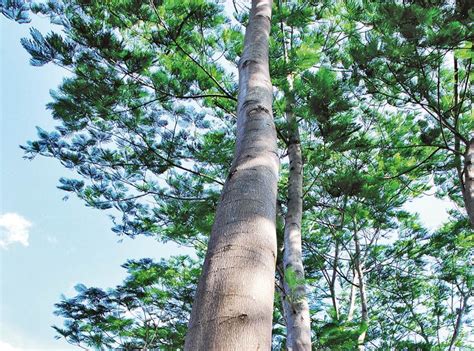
<point x="149" y="310"/>
<point x="418" y="59"/>
<point x="292" y="55"/>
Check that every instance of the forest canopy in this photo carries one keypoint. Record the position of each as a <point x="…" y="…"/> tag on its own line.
<point x="282" y="142"/>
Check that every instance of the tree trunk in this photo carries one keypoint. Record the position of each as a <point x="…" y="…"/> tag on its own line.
<point x="466" y="171"/>
<point x="468" y="186"/>
<point x="352" y="298"/>
<point x="457" y="327"/>
<point x="332" y="285"/>
<point x="295" y="304"/>
<point x="362" y="294"/>
<point x="233" y="306"/>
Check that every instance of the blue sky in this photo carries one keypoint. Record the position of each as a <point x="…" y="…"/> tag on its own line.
<point x="67" y="242"/>
<point x="48" y="245"/>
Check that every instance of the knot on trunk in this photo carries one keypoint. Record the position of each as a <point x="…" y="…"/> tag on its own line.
<point x="257" y="109"/>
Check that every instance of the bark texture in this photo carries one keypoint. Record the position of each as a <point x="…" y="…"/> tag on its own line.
<point x="295" y="303"/>
<point x="468" y="189"/>
<point x="333" y="281"/>
<point x="350" y="314"/>
<point x="233" y="306"/>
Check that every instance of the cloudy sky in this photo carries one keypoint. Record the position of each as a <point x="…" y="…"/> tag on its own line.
<point x="48" y="245"/>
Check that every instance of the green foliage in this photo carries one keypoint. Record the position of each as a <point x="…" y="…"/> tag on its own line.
<point x="381" y="92"/>
<point x="148" y="310"/>
<point x="128" y="124"/>
<point x="294" y="282"/>
<point x="16" y="10"/>
<point x="339" y="336"/>
<point x="403" y="61"/>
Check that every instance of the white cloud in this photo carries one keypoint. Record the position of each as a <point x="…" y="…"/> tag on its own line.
<point x="13" y="229"/>
<point x="4" y="346"/>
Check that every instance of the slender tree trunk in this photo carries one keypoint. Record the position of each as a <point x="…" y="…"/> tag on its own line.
<point x="233" y="306"/>
<point x="362" y="294"/>
<point x="468" y="186"/>
<point x="466" y="171"/>
<point x="350" y="314"/>
<point x="457" y="327"/>
<point x="332" y="286"/>
<point x="295" y="304"/>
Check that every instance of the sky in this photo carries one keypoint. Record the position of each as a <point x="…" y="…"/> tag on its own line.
<point x="48" y="245"/>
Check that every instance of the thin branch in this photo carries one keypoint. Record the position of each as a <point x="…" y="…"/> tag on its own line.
<point x="413" y="167"/>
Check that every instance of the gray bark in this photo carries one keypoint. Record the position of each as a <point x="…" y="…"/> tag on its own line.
<point x="460" y="315"/>
<point x="332" y="284"/>
<point x="295" y="304"/>
<point x="233" y="306"/>
<point x="468" y="186"/>
<point x="350" y="314"/>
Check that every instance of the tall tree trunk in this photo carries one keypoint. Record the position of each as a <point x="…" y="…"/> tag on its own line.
<point x="352" y="298"/>
<point x="363" y="297"/>
<point x="466" y="171"/>
<point x="468" y="186"/>
<point x="332" y="285"/>
<point x="233" y="307"/>
<point x="295" y="304"/>
<point x="460" y="315"/>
